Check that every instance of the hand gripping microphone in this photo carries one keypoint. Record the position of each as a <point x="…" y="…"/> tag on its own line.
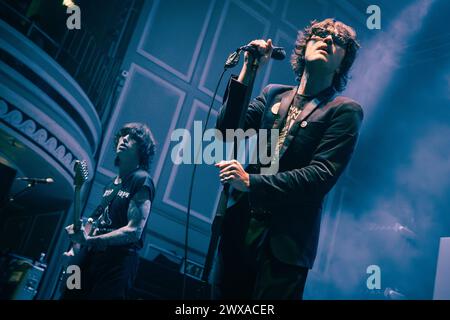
<point x="278" y="53"/>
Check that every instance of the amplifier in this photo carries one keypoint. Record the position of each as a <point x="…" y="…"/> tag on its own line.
<point x="19" y="277"/>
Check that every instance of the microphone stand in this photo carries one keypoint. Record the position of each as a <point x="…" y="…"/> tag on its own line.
<point x="216" y="228"/>
<point x="13" y="198"/>
<point x="29" y="186"/>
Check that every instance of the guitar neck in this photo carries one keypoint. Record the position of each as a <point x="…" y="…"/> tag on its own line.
<point x="77" y="209"/>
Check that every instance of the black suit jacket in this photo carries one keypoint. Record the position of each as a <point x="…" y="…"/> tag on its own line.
<point x="316" y="150"/>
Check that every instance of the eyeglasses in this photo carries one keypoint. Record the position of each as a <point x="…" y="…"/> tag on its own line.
<point x="337" y="39"/>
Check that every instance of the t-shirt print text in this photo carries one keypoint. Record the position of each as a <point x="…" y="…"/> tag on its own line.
<point x="123" y="194"/>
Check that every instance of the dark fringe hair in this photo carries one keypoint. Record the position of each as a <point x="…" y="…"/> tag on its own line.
<point x="143" y="137"/>
<point x="348" y="33"/>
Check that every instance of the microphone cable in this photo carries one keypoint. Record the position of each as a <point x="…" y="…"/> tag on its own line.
<point x="232" y="61"/>
<point x="191" y="186"/>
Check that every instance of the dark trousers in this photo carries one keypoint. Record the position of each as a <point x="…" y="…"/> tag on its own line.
<point x="250" y="271"/>
<point x="106" y="275"/>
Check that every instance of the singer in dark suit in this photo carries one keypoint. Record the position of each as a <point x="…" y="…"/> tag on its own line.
<point x="271" y="223"/>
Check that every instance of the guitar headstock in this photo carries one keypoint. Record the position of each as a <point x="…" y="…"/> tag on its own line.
<point x="81" y="173"/>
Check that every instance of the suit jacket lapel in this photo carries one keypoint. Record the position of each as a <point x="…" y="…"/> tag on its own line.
<point x="283" y="108"/>
<point x="307" y="110"/>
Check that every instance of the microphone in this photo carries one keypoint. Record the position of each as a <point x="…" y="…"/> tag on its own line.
<point x="278" y="53"/>
<point x="37" y="180"/>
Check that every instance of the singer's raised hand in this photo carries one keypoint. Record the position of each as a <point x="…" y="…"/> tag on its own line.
<point x="264" y="48"/>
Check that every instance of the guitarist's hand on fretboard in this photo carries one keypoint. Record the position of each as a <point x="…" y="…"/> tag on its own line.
<point x="77" y="236"/>
<point x="70" y="253"/>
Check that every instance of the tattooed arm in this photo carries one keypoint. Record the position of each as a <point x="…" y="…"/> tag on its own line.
<point x="138" y="212"/>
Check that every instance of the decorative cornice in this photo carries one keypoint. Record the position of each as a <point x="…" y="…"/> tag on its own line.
<point x="37" y="132"/>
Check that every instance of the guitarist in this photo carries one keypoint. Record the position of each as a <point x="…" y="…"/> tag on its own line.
<point x="110" y="264"/>
<point x="271" y="224"/>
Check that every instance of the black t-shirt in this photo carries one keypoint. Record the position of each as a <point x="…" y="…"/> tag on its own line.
<point x="115" y="215"/>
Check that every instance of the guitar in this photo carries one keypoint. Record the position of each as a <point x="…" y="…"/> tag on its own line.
<point x="75" y="255"/>
<point x="81" y="175"/>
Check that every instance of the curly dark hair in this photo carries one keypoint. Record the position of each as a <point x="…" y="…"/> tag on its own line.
<point x="345" y="32"/>
<point x="143" y="137"/>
